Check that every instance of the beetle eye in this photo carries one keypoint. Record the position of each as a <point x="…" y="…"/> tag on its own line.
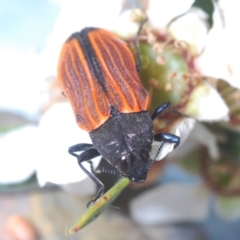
<point x="123" y="165"/>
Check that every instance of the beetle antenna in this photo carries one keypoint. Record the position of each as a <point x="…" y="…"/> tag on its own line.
<point x="108" y="171"/>
<point x="138" y="62"/>
<point x="159" y="150"/>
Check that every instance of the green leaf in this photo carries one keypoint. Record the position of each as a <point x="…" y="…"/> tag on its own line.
<point x="228" y="207"/>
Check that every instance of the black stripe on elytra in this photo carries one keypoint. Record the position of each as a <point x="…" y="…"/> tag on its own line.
<point x="90" y="55"/>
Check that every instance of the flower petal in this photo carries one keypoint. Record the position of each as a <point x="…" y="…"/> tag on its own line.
<point x="172" y="202"/>
<point x="200" y="135"/>
<point x="220" y="58"/>
<point x="192" y="29"/>
<point x="85" y="187"/>
<point x="17" y="155"/>
<point x="180" y="128"/>
<point x="160" y="12"/>
<point x="206" y="104"/>
<point x="74" y="16"/>
<point x="57" y="132"/>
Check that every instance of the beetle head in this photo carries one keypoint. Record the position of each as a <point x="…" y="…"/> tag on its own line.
<point x="135" y="165"/>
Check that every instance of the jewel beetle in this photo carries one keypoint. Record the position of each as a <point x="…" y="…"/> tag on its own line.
<point x="98" y="75"/>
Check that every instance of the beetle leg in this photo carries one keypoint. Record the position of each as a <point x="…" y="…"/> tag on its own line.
<point x="88" y="154"/>
<point x="79" y="148"/>
<point x="160" y="109"/>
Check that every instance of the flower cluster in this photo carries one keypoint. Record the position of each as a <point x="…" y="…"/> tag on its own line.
<point x="185" y="60"/>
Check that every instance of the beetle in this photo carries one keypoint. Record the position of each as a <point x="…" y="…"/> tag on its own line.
<point x="98" y="75"/>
